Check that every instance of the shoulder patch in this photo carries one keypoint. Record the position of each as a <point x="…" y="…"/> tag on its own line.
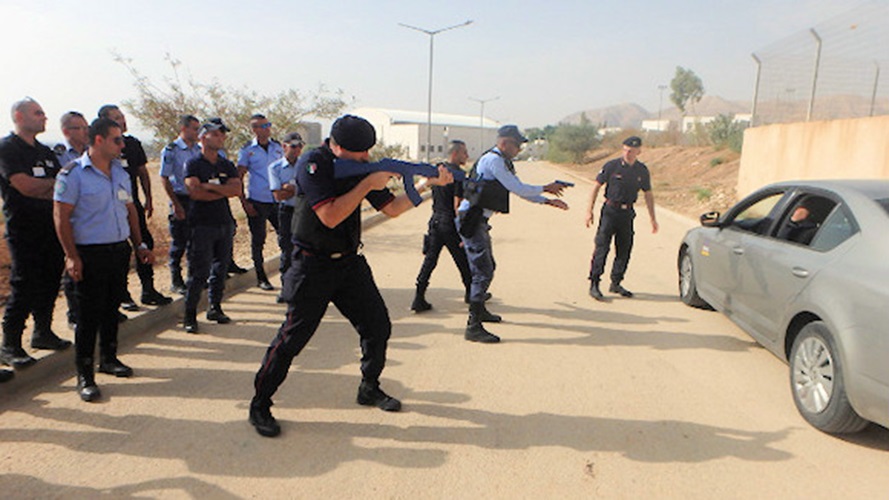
<point x="311" y="168"/>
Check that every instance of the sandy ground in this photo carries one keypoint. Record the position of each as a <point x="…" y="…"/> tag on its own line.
<point x="627" y="399"/>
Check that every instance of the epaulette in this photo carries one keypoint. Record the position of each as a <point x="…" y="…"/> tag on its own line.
<point x="170" y="147"/>
<point x="68" y="167"/>
<point x="276" y="141"/>
<point x="59" y="149"/>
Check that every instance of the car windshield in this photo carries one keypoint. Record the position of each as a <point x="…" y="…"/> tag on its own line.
<point x="884" y="202"/>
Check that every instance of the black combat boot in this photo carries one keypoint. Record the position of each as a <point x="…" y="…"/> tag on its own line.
<point x="177" y="285"/>
<point x="623" y="292"/>
<point x="12" y="354"/>
<point x="487" y="316"/>
<point x="262" y="281"/>
<point x="86" y="382"/>
<point x="595" y="292"/>
<point x="108" y="362"/>
<point x="43" y="336"/>
<point x="420" y="304"/>
<point x="475" y="331"/>
<point x="191" y="321"/>
<point x="215" y="314"/>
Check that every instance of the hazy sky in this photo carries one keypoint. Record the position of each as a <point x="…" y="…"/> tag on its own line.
<point x="544" y="60"/>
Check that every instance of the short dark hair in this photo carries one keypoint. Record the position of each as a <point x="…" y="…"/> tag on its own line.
<point x="184" y="120"/>
<point x="105" y="110"/>
<point x="100" y="127"/>
<point x="455" y="145"/>
<point x="258" y="116"/>
<point x="70" y="115"/>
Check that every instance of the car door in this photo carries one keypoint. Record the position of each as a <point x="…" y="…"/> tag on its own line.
<point x="721" y="252"/>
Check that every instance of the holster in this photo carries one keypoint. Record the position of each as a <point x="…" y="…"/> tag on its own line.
<point x="470" y="220"/>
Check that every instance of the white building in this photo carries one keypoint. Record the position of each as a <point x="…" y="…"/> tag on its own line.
<point x="408" y="128"/>
<point x="656" y="125"/>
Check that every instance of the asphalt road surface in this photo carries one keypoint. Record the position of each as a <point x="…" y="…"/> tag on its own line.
<point x="634" y="398"/>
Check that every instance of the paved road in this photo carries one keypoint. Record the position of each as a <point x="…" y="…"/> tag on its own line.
<point x="634" y="398"/>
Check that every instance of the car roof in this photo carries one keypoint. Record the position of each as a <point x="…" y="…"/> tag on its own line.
<point x="874" y="189"/>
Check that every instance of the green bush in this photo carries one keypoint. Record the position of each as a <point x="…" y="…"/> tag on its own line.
<point x="724" y="132"/>
<point x="716" y="161"/>
<point x="702" y="193"/>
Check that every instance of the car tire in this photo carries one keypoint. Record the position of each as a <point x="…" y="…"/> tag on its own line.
<point x="817" y="382"/>
<point x="688" y="290"/>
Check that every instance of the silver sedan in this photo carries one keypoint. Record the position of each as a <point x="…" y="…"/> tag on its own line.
<point x="799" y="266"/>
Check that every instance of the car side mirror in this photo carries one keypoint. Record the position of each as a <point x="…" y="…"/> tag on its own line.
<point x="710" y="219"/>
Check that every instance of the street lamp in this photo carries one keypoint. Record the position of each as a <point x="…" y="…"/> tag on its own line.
<point x="660" y="106"/>
<point x="432" y="34"/>
<point x="481" y="121"/>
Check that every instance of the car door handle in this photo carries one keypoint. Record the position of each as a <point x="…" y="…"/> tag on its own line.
<point x="738" y="250"/>
<point x="799" y="272"/>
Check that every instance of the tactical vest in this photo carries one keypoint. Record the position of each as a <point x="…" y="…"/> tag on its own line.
<point x="488" y="194"/>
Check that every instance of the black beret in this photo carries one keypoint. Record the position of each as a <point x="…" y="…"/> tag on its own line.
<point x="633" y="141"/>
<point x="212" y="124"/>
<point x="353" y="133"/>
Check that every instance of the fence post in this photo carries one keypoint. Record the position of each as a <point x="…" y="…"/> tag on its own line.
<point x="815" y="75"/>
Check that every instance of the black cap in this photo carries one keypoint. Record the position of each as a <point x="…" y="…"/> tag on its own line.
<point x="294" y="139"/>
<point x="353" y="133"/>
<point x="212" y="124"/>
<point x="633" y="142"/>
<point x="512" y="132"/>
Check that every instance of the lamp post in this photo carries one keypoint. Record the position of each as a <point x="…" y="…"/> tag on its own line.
<point x="432" y="34"/>
<point x="481" y="121"/>
<point x="660" y="106"/>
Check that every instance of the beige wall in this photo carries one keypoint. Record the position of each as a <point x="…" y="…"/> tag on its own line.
<point x="838" y="149"/>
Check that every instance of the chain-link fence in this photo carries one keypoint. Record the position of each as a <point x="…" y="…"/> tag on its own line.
<point x="837" y="69"/>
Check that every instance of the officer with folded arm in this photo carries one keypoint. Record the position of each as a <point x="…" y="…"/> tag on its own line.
<point x="282" y="175"/>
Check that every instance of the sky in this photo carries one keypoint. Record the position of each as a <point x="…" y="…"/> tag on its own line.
<point x="541" y="60"/>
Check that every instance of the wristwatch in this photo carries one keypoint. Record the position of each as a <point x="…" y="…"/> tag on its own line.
<point x="143" y="246"/>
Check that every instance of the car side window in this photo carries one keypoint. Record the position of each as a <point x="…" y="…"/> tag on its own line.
<point x="755" y="217"/>
<point x="837" y="228"/>
<point x="806" y="214"/>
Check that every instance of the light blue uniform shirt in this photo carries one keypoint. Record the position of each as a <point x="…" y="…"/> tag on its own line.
<point x="257" y="161"/>
<point x="492" y="167"/>
<point x="282" y="172"/>
<point x="100" y="202"/>
<point x="65" y="153"/>
<point x="173" y="160"/>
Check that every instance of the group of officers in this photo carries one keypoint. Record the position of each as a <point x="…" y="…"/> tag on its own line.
<point x="84" y="217"/>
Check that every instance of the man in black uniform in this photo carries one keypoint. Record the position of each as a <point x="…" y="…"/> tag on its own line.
<point x="134" y="160"/>
<point x="327" y="267"/>
<point x="623" y="178"/>
<point x="443" y="230"/>
<point x="27" y="175"/>
<point x="211" y="180"/>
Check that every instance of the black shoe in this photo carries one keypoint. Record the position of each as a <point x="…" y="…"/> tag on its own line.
<point x="477" y="333"/>
<point x="154" y="298"/>
<point x="264" y="422"/>
<point x="265" y="285"/>
<point x="50" y="341"/>
<point x="113" y="366"/>
<point x="215" y="314"/>
<point x="623" y="292"/>
<point x="88" y="389"/>
<point x="595" y="292"/>
<point x="420" y="305"/>
<point x="235" y="269"/>
<point x="190" y="322"/>
<point x="129" y="305"/>
<point x="370" y="394"/>
<point x="16" y="357"/>
<point x="6" y="375"/>
<point x="121" y="317"/>
<point x="178" y="288"/>
<point x="280" y="299"/>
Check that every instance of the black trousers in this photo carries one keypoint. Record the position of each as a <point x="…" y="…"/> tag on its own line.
<point x="264" y="212"/>
<point x="98" y="296"/>
<point x="179" y="233"/>
<point x="209" y="254"/>
<point x="311" y="283"/>
<point x="285" y="237"/>
<point x="37" y="265"/>
<point x="614" y="223"/>
<point x="144" y="271"/>
<point x="443" y="233"/>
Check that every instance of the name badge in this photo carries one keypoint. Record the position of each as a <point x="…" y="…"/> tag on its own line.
<point x="38" y="172"/>
<point x="214" y="181"/>
<point x="122" y="195"/>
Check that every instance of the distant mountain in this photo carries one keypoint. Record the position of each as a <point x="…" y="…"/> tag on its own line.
<point x="630" y="115"/>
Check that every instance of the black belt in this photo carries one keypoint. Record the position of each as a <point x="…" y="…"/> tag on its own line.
<point x="331" y="256"/>
<point x="107" y="247"/>
<point x="618" y="205"/>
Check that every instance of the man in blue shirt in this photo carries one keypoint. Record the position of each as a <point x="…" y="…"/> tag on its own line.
<point x="254" y="159"/>
<point x="94" y="217"/>
<point x="282" y="174"/>
<point x="211" y="180"/>
<point x="496" y="173"/>
<point x="27" y="174"/>
<point x="77" y="136"/>
<point x="173" y="160"/>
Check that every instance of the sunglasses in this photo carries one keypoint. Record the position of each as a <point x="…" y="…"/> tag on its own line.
<point x="264" y="125"/>
<point x="294" y="144"/>
<point x="118" y="140"/>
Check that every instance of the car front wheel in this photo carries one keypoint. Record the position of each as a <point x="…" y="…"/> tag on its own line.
<point x="818" y="384"/>
<point x="688" y="290"/>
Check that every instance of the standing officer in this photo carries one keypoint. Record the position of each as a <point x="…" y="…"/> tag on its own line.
<point x="211" y="180"/>
<point x="27" y="173"/>
<point x="254" y="159"/>
<point x="281" y="181"/>
<point x="328" y="268"/>
<point x="133" y="159"/>
<point x="623" y="178"/>
<point x="173" y="160"/>
<point x="495" y="177"/>
<point x="443" y="231"/>
<point x="94" y="216"/>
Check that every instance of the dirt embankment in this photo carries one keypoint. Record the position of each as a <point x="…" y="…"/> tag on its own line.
<point x="688" y="180"/>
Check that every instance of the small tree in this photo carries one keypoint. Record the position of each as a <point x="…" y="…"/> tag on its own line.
<point x="569" y="143"/>
<point x="725" y="132"/>
<point x="158" y="106"/>
<point x="686" y="88"/>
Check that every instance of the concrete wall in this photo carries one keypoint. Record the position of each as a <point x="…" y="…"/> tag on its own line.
<point x="838" y="149"/>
